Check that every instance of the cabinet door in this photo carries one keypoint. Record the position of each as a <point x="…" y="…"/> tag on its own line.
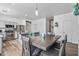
<point x="0" y="45"/>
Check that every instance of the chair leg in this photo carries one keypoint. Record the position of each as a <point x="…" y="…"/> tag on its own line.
<point x="22" y="51"/>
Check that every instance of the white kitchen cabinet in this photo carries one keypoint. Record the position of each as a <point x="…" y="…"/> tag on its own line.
<point x="0" y="44"/>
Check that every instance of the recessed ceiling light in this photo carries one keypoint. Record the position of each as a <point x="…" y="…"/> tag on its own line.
<point x="4" y="11"/>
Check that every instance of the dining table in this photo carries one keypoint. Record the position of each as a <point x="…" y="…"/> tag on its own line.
<point x="43" y="44"/>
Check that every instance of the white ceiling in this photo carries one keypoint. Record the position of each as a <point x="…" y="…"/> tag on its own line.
<point x="19" y="10"/>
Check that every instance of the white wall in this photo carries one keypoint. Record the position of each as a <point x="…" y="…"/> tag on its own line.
<point x="78" y="28"/>
<point x="39" y="25"/>
<point x="67" y="23"/>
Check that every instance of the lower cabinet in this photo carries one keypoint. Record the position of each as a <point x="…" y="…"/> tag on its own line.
<point x="0" y="45"/>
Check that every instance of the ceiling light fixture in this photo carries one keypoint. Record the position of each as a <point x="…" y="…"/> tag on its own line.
<point x="36" y="11"/>
<point x="5" y="11"/>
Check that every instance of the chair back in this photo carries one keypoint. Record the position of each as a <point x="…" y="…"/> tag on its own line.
<point x="62" y="46"/>
<point x="25" y="46"/>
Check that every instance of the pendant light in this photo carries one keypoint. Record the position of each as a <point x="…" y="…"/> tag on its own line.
<point x="36" y="10"/>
